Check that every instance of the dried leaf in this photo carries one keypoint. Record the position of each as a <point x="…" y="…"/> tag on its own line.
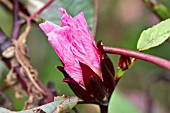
<point x="22" y="58"/>
<point x="19" y="91"/>
<point x="9" y="52"/>
<point x="11" y="78"/>
<point x="29" y="74"/>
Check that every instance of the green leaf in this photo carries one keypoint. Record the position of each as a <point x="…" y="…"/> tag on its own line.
<point x="73" y="8"/>
<point x="120" y="104"/>
<point x="61" y="104"/>
<point x="154" y="36"/>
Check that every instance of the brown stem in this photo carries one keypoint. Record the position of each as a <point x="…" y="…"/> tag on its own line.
<point x="138" y="55"/>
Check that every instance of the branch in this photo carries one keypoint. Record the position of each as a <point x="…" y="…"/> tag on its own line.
<point x="42" y="9"/>
<point x="16" y="25"/>
<point x="7" y="4"/>
<point x="160" y="10"/>
<point x="15" y="12"/>
<point x="138" y="55"/>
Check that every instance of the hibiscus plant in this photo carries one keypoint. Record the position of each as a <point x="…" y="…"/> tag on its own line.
<point x="86" y="66"/>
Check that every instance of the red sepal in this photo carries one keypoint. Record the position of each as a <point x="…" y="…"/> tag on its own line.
<point x="78" y="90"/>
<point x="99" y="91"/>
<point x="87" y="74"/>
<point x="60" y="68"/>
<point x="108" y="73"/>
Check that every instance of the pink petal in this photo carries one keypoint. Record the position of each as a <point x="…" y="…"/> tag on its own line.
<point x="47" y="27"/>
<point x="65" y="18"/>
<point x="73" y="43"/>
<point x="82" y="33"/>
<point x="61" y="44"/>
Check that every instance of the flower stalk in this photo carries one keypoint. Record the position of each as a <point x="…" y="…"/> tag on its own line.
<point x="104" y="109"/>
<point x="139" y="55"/>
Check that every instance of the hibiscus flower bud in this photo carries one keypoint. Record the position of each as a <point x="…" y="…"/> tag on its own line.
<point x="76" y="48"/>
<point x="124" y="62"/>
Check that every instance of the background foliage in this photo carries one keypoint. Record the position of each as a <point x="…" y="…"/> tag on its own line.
<point x="120" y="23"/>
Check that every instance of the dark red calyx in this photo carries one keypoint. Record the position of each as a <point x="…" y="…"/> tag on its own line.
<point x="124" y="62"/>
<point x="61" y="68"/>
<point x="98" y="91"/>
<point x="87" y="74"/>
<point x="108" y="74"/>
<point x="79" y="90"/>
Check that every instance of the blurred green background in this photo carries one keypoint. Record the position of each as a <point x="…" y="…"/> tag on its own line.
<point x="120" y="23"/>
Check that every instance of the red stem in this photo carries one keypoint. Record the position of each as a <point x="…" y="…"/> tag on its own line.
<point x="42" y="9"/>
<point x="138" y="55"/>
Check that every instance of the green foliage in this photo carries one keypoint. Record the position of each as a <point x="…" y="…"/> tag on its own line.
<point x="61" y="104"/>
<point x="8" y="19"/>
<point x="73" y="7"/>
<point x="158" y="8"/>
<point x="154" y="36"/>
<point x="120" y="104"/>
<point x="162" y="11"/>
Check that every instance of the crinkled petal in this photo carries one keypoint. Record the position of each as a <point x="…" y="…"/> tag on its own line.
<point x="65" y="18"/>
<point x="73" y="43"/>
<point x="71" y="65"/>
<point x="83" y="45"/>
<point x="47" y="27"/>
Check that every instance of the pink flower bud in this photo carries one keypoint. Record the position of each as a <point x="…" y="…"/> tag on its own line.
<point x="73" y="43"/>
